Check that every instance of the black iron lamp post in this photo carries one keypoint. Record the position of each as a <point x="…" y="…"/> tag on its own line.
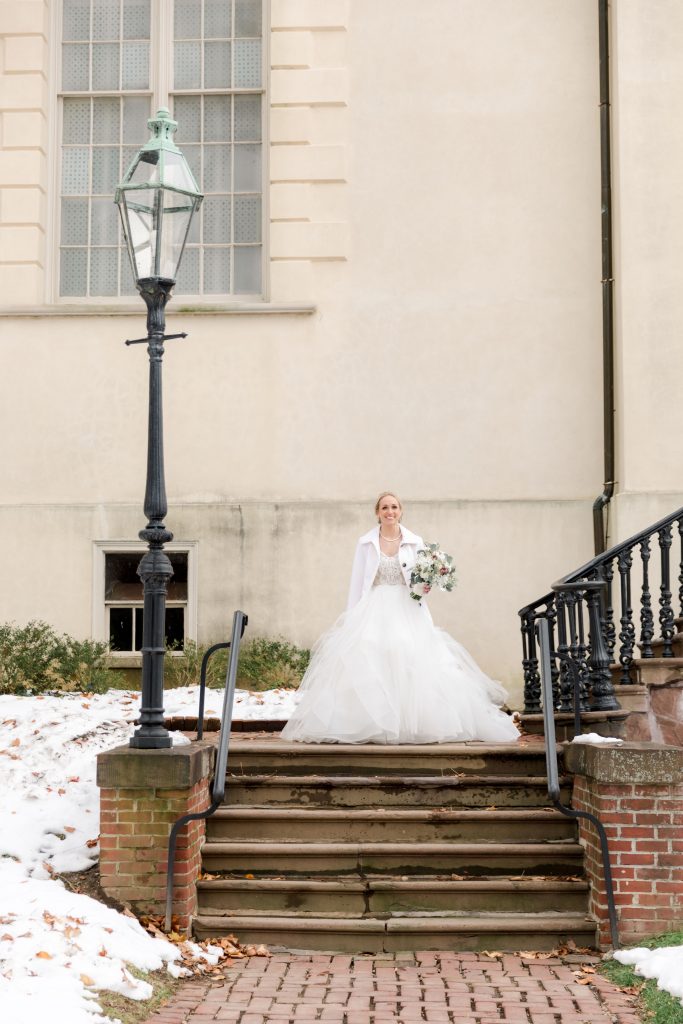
<point x="157" y="200"/>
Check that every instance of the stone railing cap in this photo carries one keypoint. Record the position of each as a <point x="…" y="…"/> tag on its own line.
<point x="644" y="763"/>
<point x="172" y="768"/>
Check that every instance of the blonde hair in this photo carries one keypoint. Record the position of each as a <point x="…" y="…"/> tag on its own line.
<point x="387" y="494"/>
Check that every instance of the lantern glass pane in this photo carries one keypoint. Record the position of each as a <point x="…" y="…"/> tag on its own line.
<point x="176" y="173"/>
<point x="146" y="170"/>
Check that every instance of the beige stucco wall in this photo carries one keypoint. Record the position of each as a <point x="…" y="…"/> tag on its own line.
<point x="435" y="219"/>
<point x="648" y="146"/>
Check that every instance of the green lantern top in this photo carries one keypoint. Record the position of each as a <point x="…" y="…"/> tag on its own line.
<point x="157" y="200"/>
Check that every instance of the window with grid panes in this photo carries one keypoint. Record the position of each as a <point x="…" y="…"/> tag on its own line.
<point x="214" y="89"/>
<point x="123" y="601"/>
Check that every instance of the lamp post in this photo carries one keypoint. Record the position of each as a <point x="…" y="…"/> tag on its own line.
<point x="157" y="200"/>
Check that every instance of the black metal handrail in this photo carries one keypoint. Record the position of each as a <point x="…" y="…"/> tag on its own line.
<point x="542" y="629"/>
<point x="239" y="624"/>
<point x="604" y="640"/>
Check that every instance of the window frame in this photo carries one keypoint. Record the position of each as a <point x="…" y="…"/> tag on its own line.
<point x="100" y="613"/>
<point x="160" y="92"/>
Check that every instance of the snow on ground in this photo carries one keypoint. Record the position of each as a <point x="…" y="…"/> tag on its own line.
<point x="593" y="737"/>
<point x="665" y="965"/>
<point x="57" y="948"/>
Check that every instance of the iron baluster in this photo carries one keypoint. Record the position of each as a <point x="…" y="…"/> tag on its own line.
<point x="532" y="678"/>
<point x="582" y="653"/>
<point x="680" y="569"/>
<point x="647" y="622"/>
<point x="602" y="691"/>
<point x="666" y="612"/>
<point x="577" y="649"/>
<point x="565" y="688"/>
<point x="610" y="628"/>
<point x="627" y="634"/>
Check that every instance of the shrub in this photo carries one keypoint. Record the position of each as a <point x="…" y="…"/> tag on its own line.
<point x="34" y="659"/>
<point x="27" y="658"/>
<point x="184" y="669"/>
<point x="84" y="665"/>
<point x="265" y="663"/>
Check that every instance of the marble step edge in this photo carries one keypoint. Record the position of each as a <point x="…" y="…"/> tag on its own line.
<point x="390" y="814"/>
<point x="558" y="848"/>
<point x="393" y="781"/>
<point x="483" y="922"/>
<point x="495" y="883"/>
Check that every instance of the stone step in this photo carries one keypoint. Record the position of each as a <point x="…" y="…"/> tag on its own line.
<point x="604" y="723"/>
<point x="658" y="645"/>
<point x="417" y="858"/>
<point x="391" y="790"/>
<point x="374" y="896"/>
<point x="275" y="756"/>
<point x="380" y="824"/>
<point x="657" y="671"/>
<point x="346" y="933"/>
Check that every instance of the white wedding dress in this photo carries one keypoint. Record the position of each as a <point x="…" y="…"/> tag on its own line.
<point x="385" y="674"/>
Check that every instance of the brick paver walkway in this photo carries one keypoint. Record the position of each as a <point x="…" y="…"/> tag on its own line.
<point x="401" y="988"/>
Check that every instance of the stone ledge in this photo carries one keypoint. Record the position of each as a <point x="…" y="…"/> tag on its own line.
<point x="648" y="764"/>
<point x="658" y="671"/>
<point x="172" y="768"/>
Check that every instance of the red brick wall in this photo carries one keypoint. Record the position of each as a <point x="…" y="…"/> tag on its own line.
<point x="644" y="825"/>
<point x="134" y="828"/>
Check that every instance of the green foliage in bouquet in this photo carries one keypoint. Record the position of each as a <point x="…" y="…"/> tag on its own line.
<point x="433" y="568"/>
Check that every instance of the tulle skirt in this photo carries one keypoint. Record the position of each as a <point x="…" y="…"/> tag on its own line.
<point x="385" y="674"/>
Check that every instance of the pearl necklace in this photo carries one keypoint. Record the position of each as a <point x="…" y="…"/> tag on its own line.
<point x="389" y="540"/>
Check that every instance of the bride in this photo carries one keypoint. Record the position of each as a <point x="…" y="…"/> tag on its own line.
<point x="384" y="673"/>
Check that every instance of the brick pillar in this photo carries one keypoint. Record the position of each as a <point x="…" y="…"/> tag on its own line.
<point x="636" y="791"/>
<point x="142" y="794"/>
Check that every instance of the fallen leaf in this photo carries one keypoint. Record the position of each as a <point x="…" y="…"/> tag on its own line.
<point x="69" y="828"/>
<point x="248" y="876"/>
<point x="42" y="955"/>
<point x="16" y="742"/>
<point x="93" y="842"/>
<point x="87" y="980"/>
<point x="75" y="778"/>
<point x="61" y="791"/>
<point x="6" y="937"/>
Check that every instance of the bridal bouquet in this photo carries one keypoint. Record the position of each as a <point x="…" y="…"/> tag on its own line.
<point x="433" y="568"/>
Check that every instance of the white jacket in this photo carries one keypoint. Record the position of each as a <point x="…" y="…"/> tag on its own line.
<point x="366" y="561"/>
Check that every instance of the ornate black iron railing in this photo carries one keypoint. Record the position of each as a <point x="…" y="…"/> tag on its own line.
<point x="598" y="632"/>
<point x="239" y="624"/>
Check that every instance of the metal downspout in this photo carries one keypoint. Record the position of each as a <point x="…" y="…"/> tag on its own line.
<point x="600" y="505"/>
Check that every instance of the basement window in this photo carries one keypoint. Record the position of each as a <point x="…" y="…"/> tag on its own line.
<point x="123" y="601"/>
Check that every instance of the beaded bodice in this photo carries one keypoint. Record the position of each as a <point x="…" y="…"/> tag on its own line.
<point x="389" y="572"/>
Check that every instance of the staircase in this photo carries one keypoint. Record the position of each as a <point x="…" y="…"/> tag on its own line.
<point x="371" y="848"/>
